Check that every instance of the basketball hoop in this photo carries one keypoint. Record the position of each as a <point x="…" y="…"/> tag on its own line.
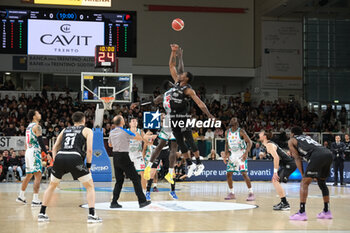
<point x="107" y="102"/>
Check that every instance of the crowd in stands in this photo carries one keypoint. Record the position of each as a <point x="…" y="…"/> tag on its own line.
<point x="13" y="165"/>
<point x="278" y="116"/>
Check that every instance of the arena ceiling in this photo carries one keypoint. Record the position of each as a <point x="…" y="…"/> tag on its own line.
<point x="300" y="8"/>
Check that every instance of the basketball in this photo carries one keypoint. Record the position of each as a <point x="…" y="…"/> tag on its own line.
<point x="178" y="24"/>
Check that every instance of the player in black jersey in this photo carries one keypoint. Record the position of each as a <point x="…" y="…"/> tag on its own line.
<point x="180" y="98"/>
<point x="319" y="161"/>
<point x="69" y="155"/>
<point x="283" y="167"/>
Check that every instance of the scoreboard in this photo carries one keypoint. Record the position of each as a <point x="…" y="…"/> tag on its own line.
<point x="66" y="32"/>
<point x="105" y="56"/>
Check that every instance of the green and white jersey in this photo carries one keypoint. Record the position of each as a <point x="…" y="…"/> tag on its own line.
<point x="148" y="154"/>
<point x="236" y="144"/>
<point x="135" y="146"/>
<point x="31" y="138"/>
<point x="166" y="101"/>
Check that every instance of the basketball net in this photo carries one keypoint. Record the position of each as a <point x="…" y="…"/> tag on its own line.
<point x="99" y="113"/>
<point x="107" y="102"/>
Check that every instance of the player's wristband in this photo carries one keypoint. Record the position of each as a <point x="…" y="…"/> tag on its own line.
<point x="88" y="165"/>
<point x="275" y="170"/>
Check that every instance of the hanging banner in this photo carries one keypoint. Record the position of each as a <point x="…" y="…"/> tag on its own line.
<point x="15" y="142"/>
<point x="282" y="58"/>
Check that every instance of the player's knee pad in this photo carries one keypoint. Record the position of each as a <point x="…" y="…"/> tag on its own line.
<point x="190" y="141"/>
<point x="323" y="187"/>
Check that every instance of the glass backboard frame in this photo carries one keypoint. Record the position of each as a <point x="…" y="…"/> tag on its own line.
<point x="116" y="92"/>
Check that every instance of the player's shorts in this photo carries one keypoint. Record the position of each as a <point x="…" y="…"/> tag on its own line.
<point x="237" y="166"/>
<point x="286" y="170"/>
<point x="319" y="164"/>
<point x="166" y="134"/>
<point x="138" y="161"/>
<point x="70" y="162"/>
<point x="33" y="160"/>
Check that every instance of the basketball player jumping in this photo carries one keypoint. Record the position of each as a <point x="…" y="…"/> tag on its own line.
<point x="319" y="163"/>
<point x="181" y="94"/>
<point x="34" y="144"/>
<point x="280" y="160"/>
<point x="164" y="136"/>
<point x="69" y="148"/>
<point x="239" y="145"/>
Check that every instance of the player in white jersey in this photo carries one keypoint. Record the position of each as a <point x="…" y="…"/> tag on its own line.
<point x="34" y="144"/>
<point x="164" y="135"/>
<point x="135" y="151"/>
<point x="237" y="147"/>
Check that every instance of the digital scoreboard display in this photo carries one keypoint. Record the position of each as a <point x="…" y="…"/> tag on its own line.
<point x="105" y="56"/>
<point x="65" y="32"/>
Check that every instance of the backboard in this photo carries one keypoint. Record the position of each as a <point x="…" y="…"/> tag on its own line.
<point x="96" y="85"/>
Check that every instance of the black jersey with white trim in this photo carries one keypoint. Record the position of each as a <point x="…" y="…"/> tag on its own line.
<point x="180" y="103"/>
<point x="306" y="145"/>
<point x="73" y="140"/>
<point x="284" y="157"/>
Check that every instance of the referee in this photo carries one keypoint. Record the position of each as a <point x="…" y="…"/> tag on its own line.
<point x="119" y="139"/>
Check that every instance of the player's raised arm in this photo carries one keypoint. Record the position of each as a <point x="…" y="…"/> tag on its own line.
<point x="38" y="133"/>
<point x="57" y="145"/>
<point x="88" y="134"/>
<point x="155" y="101"/>
<point x="172" y="62"/>
<point x="180" y="66"/>
<point x="190" y="92"/>
<point x="292" y="144"/>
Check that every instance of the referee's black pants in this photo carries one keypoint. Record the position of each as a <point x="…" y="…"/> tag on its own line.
<point x="338" y="165"/>
<point x="123" y="164"/>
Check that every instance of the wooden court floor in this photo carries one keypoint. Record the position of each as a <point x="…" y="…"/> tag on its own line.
<point x="68" y="217"/>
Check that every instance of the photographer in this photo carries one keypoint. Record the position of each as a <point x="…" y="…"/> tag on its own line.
<point x="338" y="149"/>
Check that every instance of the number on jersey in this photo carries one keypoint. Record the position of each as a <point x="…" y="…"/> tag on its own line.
<point x="309" y="140"/>
<point x="69" y="140"/>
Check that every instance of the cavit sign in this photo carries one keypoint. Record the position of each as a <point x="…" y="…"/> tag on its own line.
<point x="64" y="38"/>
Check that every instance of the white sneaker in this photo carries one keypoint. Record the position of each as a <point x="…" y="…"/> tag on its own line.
<point x="43" y="218"/>
<point x="20" y="200"/>
<point x="36" y="203"/>
<point x="94" y="219"/>
<point x="190" y="170"/>
<point x="199" y="170"/>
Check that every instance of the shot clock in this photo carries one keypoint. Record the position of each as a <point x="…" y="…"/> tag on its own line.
<point x="105" y="56"/>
